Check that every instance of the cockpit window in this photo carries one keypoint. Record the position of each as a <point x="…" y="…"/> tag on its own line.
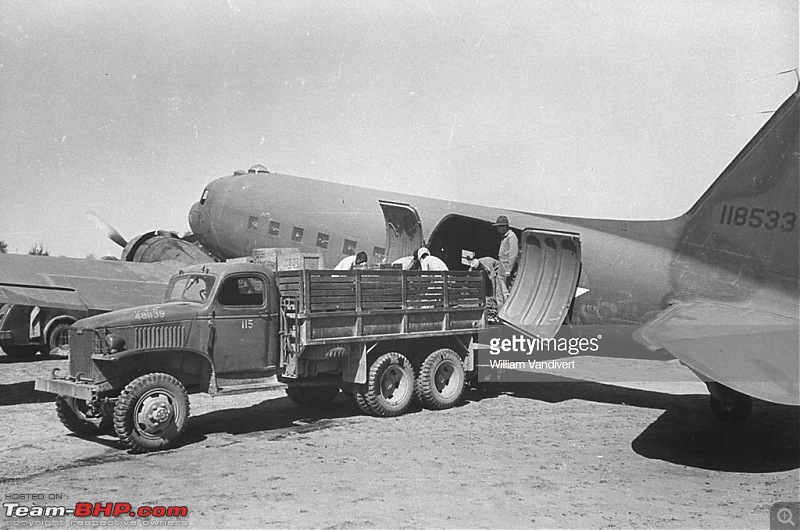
<point x="190" y="288"/>
<point x="204" y="196"/>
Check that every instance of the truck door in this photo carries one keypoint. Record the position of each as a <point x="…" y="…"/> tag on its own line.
<point x="241" y="323"/>
<point x="403" y="229"/>
<point x="547" y="276"/>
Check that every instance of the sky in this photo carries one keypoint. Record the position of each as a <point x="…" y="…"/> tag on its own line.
<point x="612" y="109"/>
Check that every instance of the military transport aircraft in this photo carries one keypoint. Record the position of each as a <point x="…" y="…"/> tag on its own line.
<point x="717" y="287"/>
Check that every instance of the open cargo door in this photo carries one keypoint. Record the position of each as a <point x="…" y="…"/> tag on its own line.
<point x="403" y="229"/>
<point x="547" y="276"/>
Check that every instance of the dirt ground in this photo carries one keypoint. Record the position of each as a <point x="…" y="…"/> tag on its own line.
<point x="567" y="452"/>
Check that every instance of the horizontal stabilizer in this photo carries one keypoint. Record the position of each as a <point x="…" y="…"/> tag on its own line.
<point x="750" y="350"/>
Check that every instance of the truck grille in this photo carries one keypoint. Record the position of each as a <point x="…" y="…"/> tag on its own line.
<point x="82" y="346"/>
<point x="160" y="337"/>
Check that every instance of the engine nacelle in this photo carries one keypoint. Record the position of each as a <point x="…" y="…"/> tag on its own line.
<point x="160" y="245"/>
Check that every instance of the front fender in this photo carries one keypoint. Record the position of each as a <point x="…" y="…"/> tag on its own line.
<point x="192" y="367"/>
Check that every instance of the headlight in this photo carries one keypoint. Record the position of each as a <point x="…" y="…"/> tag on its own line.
<point x="115" y="343"/>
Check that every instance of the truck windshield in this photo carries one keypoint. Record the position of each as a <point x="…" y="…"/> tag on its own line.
<point x="190" y="288"/>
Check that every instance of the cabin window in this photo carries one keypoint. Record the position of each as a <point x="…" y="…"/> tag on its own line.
<point x="349" y="247"/>
<point x="322" y="240"/>
<point x="204" y="196"/>
<point x="378" y="254"/>
<point x="297" y="234"/>
<point x="252" y="222"/>
<point x="274" y="228"/>
<point x="242" y="291"/>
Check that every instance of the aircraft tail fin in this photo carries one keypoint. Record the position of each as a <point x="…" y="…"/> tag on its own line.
<point x="751" y="211"/>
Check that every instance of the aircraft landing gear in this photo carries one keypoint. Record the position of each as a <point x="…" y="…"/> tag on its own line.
<point x="727" y="404"/>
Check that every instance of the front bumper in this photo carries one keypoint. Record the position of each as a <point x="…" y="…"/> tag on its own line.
<point x="64" y="387"/>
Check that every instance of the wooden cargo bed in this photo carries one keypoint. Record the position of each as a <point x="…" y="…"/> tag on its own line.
<point x="334" y="306"/>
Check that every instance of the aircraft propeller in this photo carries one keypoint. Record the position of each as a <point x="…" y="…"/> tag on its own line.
<point x="106" y="228"/>
<point x="153" y="246"/>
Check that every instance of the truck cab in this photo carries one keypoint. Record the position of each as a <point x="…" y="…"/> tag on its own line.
<point x="218" y="325"/>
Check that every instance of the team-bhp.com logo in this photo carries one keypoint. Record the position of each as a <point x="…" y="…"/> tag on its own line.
<point x="146" y="515"/>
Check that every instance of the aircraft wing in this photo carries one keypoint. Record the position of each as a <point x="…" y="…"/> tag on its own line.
<point x="83" y="284"/>
<point x="748" y="349"/>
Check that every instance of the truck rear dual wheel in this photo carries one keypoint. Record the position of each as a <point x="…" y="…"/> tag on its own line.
<point x="361" y="401"/>
<point x="440" y="381"/>
<point x="312" y="397"/>
<point x="151" y="413"/>
<point x="77" y="416"/>
<point x="390" y="385"/>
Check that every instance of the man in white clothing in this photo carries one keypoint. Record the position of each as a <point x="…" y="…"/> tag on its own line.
<point x="352" y="262"/>
<point x="428" y="262"/>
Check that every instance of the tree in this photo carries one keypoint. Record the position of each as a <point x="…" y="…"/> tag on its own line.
<point x="3" y="247"/>
<point x="38" y="250"/>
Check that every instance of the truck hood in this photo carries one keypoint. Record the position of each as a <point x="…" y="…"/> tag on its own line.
<point x="146" y="314"/>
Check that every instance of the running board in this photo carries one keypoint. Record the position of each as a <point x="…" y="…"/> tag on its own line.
<point x="227" y="386"/>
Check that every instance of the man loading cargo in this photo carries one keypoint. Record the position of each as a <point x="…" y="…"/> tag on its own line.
<point x="428" y="262"/>
<point x="352" y="262"/>
<point x="494" y="295"/>
<point x="508" y="253"/>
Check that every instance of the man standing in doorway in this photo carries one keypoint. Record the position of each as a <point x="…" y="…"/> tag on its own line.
<point x="508" y="253"/>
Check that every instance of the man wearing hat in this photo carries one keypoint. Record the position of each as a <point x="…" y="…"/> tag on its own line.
<point x="508" y="253"/>
<point x="428" y="262"/>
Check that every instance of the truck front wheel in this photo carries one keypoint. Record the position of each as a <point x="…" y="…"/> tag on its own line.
<point x="77" y="416"/>
<point x="312" y="397"/>
<point x="440" y="384"/>
<point x="151" y="412"/>
<point x="390" y="385"/>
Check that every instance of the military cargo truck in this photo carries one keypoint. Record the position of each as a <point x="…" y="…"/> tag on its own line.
<point x="385" y="337"/>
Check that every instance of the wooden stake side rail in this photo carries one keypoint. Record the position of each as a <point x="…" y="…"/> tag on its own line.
<point x="324" y="307"/>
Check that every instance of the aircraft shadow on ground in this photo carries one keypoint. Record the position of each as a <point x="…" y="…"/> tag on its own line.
<point x="687" y="433"/>
<point x="20" y="393"/>
<point x="280" y="417"/>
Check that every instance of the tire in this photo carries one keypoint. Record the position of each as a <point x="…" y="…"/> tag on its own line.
<point x="361" y="402"/>
<point x="390" y="385"/>
<point x="735" y="408"/>
<point x="440" y="382"/>
<point x="313" y="397"/>
<point x="76" y="416"/>
<point x="58" y="338"/>
<point x="151" y="413"/>
<point x="20" y="352"/>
